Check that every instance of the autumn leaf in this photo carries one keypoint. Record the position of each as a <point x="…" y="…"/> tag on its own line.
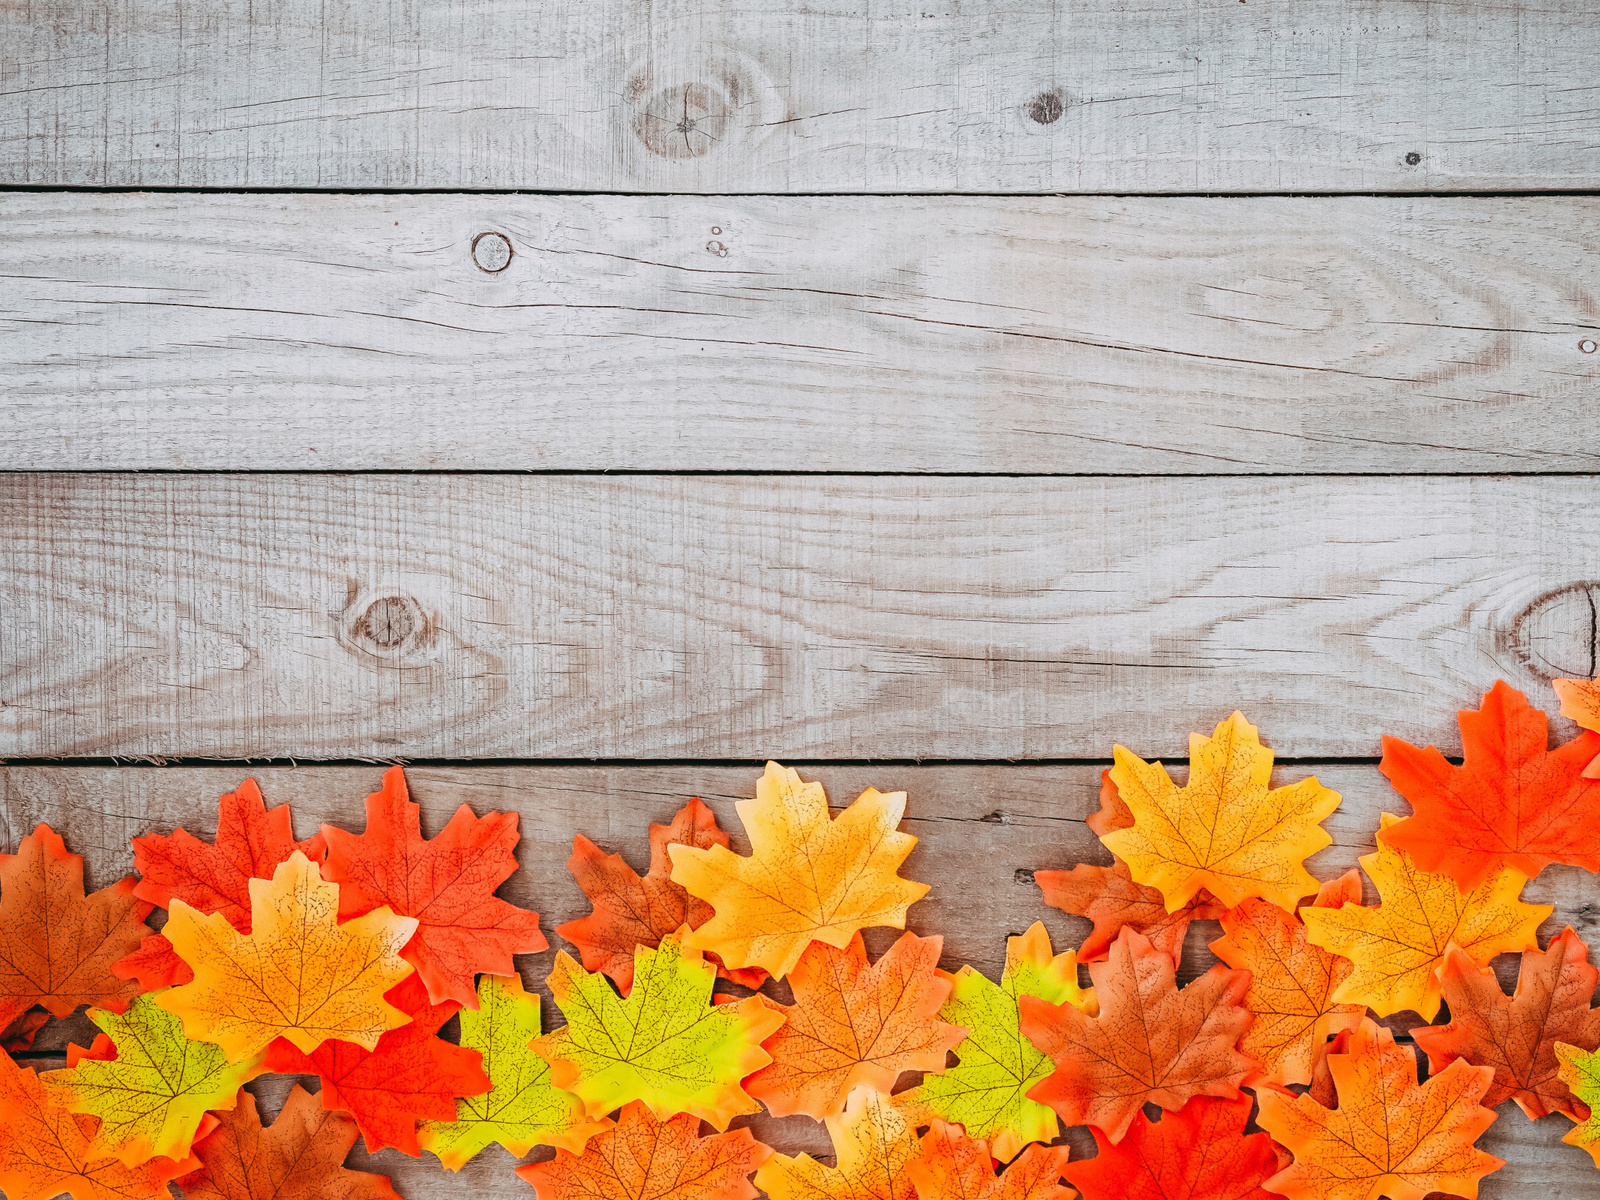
<point x="152" y="1095"/>
<point x="874" y="1145"/>
<point x="410" y="1077"/>
<point x="851" y="1024"/>
<point x="1200" y="1152"/>
<point x="251" y="843"/>
<point x="808" y="876"/>
<point x="666" y="1043"/>
<point x="1110" y="898"/>
<point x="1291" y="982"/>
<point x="521" y="1109"/>
<point x="1512" y="803"/>
<point x="299" y="973"/>
<point x="44" y="1149"/>
<point x="1150" y="1042"/>
<point x="1580" y="700"/>
<point x="446" y="883"/>
<point x="1516" y="1035"/>
<point x="1227" y="830"/>
<point x="952" y="1166"/>
<point x="19" y="1035"/>
<point x="1580" y="1071"/>
<point x="298" y="1157"/>
<point x="632" y="911"/>
<point x="986" y="1092"/>
<point x="1114" y="812"/>
<point x="56" y="944"/>
<point x="1397" y="946"/>
<point x="1389" y="1135"/>
<point x="645" y="1159"/>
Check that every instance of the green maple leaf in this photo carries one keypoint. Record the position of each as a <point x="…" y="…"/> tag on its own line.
<point x="522" y="1108"/>
<point x="987" y="1091"/>
<point x="665" y="1043"/>
<point x="151" y="1097"/>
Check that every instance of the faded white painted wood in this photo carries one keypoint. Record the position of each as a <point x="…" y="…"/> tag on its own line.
<point x="770" y="96"/>
<point x="1119" y="336"/>
<point x="806" y="617"/>
<point x="981" y="829"/>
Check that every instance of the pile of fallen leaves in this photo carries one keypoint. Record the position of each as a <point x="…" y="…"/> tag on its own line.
<point x="343" y="957"/>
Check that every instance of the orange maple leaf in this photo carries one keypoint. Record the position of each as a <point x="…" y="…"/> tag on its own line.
<point x="1512" y="803"/>
<point x="855" y="1024"/>
<point x="952" y="1166"/>
<point x="299" y="1157"/>
<point x="57" y="946"/>
<point x="44" y="1149"/>
<point x="1200" y="1152"/>
<point x="1516" y="1035"/>
<point x="1389" y="1136"/>
<point x="808" y="876"/>
<point x="1227" y="830"/>
<point x="1110" y="898"/>
<point x="446" y="883"/>
<point x="1291" y="982"/>
<point x="1150" y="1042"/>
<point x="1397" y="946"/>
<point x="874" y="1146"/>
<point x="299" y="974"/>
<point x="645" y="1159"/>
<point x="1580" y="700"/>
<point x="630" y="910"/>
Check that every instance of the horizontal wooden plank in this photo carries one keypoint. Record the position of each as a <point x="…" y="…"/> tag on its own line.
<point x="981" y="829"/>
<point x="1055" y="335"/>
<point x="376" y="616"/>
<point x="772" y="96"/>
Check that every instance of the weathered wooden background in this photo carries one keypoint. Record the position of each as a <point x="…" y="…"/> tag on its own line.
<point x="620" y="392"/>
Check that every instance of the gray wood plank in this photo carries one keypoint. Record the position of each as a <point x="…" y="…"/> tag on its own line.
<point x="1118" y="336"/>
<point x="981" y="829"/>
<point x="771" y="96"/>
<point x="690" y="617"/>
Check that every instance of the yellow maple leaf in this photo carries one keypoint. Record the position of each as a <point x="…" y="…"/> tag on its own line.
<point x="874" y="1145"/>
<point x="1227" y="830"/>
<point x="299" y="974"/>
<point x="1398" y="946"/>
<point x="808" y="877"/>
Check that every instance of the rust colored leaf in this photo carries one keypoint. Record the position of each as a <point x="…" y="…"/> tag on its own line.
<point x="1226" y="830"/>
<point x="809" y="876"/>
<point x="251" y="843"/>
<point x="952" y="1166"/>
<point x="1150" y="1043"/>
<point x="1512" y="803"/>
<point x="299" y="1156"/>
<point x="1291" y="982"/>
<point x="851" y="1024"/>
<point x="630" y="910"/>
<point x="1110" y="898"/>
<point x="1516" y="1035"/>
<point x="1580" y="700"/>
<point x="645" y="1159"/>
<point x="1114" y="813"/>
<point x="44" y="1149"/>
<point x="1389" y="1135"/>
<point x="1200" y="1152"/>
<point x="412" y="1076"/>
<point x="57" y="945"/>
<point x="447" y="883"/>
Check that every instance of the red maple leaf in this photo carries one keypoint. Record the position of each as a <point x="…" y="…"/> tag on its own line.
<point x="251" y="842"/>
<point x="632" y="910"/>
<point x="447" y="883"/>
<point x="1512" y="803"/>
<point x="1200" y="1152"/>
<point x="412" y="1076"/>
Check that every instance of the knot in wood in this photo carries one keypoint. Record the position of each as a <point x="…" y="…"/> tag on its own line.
<point x="392" y="626"/>
<point x="492" y="252"/>
<point x="1046" y="108"/>
<point x="684" y="121"/>
<point x="1558" y="635"/>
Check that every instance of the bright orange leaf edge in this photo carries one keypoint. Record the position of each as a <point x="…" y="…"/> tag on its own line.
<point x="1519" y="809"/>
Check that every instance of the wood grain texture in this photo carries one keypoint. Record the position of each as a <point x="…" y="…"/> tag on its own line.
<point x="981" y="830"/>
<point x="770" y="96"/>
<point x="693" y="617"/>
<point x="1124" y="336"/>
